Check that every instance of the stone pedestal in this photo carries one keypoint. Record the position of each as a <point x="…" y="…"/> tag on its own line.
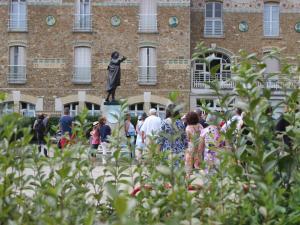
<point x="112" y="112"/>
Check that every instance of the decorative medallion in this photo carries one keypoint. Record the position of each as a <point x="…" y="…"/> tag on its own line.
<point x="173" y="21"/>
<point x="115" y="21"/>
<point x="50" y="20"/>
<point x="297" y="27"/>
<point x="243" y="26"/>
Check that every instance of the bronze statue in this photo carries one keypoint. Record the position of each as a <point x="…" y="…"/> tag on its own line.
<point x="114" y="75"/>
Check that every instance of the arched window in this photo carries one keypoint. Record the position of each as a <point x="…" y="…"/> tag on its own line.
<point x="73" y="108"/>
<point x="160" y="109"/>
<point x="93" y="109"/>
<point x="6" y="108"/>
<point x="27" y="109"/>
<point x="272" y="65"/>
<point x="136" y="109"/>
<point x="216" y="62"/>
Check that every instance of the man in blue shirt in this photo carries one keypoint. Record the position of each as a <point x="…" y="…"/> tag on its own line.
<point x="65" y="122"/>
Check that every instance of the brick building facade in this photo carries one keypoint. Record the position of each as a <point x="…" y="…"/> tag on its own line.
<point x="227" y="26"/>
<point x="54" y="53"/>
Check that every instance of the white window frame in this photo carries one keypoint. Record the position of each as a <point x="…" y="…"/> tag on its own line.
<point x="203" y="76"/>
<point x="73" y="106"/>
<point x="160" y="109"/>
<point x="136" y="111"/>
<point x="29" y="110"/>
<point x="6" y="108"/>
<point x="214" y="104"/>
<point x="271" y="20"/>
<point x="82" y="65"/>
<point x="93" y="111"/>
<point x="17" y="64"/>
<point x="213" y="30"/>
<point x="147" y="66"/>
<point x="148" y="16"/>
<point x="83" y="16"/>
<point x="18" y="16"/>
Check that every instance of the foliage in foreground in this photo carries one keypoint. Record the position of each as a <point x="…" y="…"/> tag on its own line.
<point x="258" y="181"/>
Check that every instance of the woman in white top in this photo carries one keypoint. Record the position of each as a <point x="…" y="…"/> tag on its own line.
<point x="139" y="145"/>
<point x="130" y="133"/>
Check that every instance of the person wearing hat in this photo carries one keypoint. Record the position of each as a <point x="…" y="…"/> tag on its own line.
<point x="150" y="127"/>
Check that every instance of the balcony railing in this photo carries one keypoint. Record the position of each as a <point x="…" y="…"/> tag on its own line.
<point x="148" y="23"/>
<point x="82" y="23"/>
<point x="17" y="24"/>
<point x="147" y="75"/>
<point x="201" y="80"/>
<point x="17" y="74"/>
<point x="82" y="75"/>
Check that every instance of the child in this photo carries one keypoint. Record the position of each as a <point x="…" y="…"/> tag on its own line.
<point x="95" y="138"/>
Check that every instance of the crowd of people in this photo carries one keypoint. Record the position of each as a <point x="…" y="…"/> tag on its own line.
<point x="193" y="137"/>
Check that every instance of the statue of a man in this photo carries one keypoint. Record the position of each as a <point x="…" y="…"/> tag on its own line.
<point x="114" y="75"/>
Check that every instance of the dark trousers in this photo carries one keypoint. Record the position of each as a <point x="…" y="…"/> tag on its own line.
<point x="112" y="93"/>
<point x="41" y="142"/>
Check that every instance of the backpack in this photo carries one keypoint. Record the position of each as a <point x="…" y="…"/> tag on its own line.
<point x="40" y="127"/>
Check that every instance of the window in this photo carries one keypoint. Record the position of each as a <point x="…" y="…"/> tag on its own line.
<point x="272" y="65"/>
<point x="93" y="109"/>
<point x="18" y="16"/>
<point x="148" y="16"/>
<point x="219" y="63"/>
<point x="213" y="104"/>
<point x="160" y="109"/>
<point x="82" y="67"/>
<point x="147" y="66"/>
<point x="213" y="19"/>
<point x="136" y="109"/>
<point x="17" y="65"/>
<point x="27" y="109"/>
<point x="271" y="20"/>
<point x="272" y="70"/>
<point x="6" y="108"/>
<point x="73" y="108"/>
<point x="83" y="17"/>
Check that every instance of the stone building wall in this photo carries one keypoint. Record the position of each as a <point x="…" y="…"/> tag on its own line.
<point x="50" y="50"/>
<point x="253" y="41"/>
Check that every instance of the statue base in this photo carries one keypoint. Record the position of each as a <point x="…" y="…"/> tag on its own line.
<point x="112" y="111"/>
<point x="115" y="102"/>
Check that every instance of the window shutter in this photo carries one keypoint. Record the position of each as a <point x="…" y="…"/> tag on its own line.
<point x="271" y="20"/>
<point x="213" y="19"/>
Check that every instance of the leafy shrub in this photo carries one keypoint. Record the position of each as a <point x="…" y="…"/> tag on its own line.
<point x="257" y="182"/>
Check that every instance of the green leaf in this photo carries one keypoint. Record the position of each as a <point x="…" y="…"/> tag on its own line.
<point x="163" y="170"/>
<point x="263" y="211"/>
<point x="120" y="204"/>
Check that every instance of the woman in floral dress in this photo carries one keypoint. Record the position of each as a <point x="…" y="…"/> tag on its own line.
<point x="172" y="127"/>
<point x="210" y="141"/>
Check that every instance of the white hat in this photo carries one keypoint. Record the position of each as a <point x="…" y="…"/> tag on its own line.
<point x="95" y="123"/>
<point x="152" y="111"/>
